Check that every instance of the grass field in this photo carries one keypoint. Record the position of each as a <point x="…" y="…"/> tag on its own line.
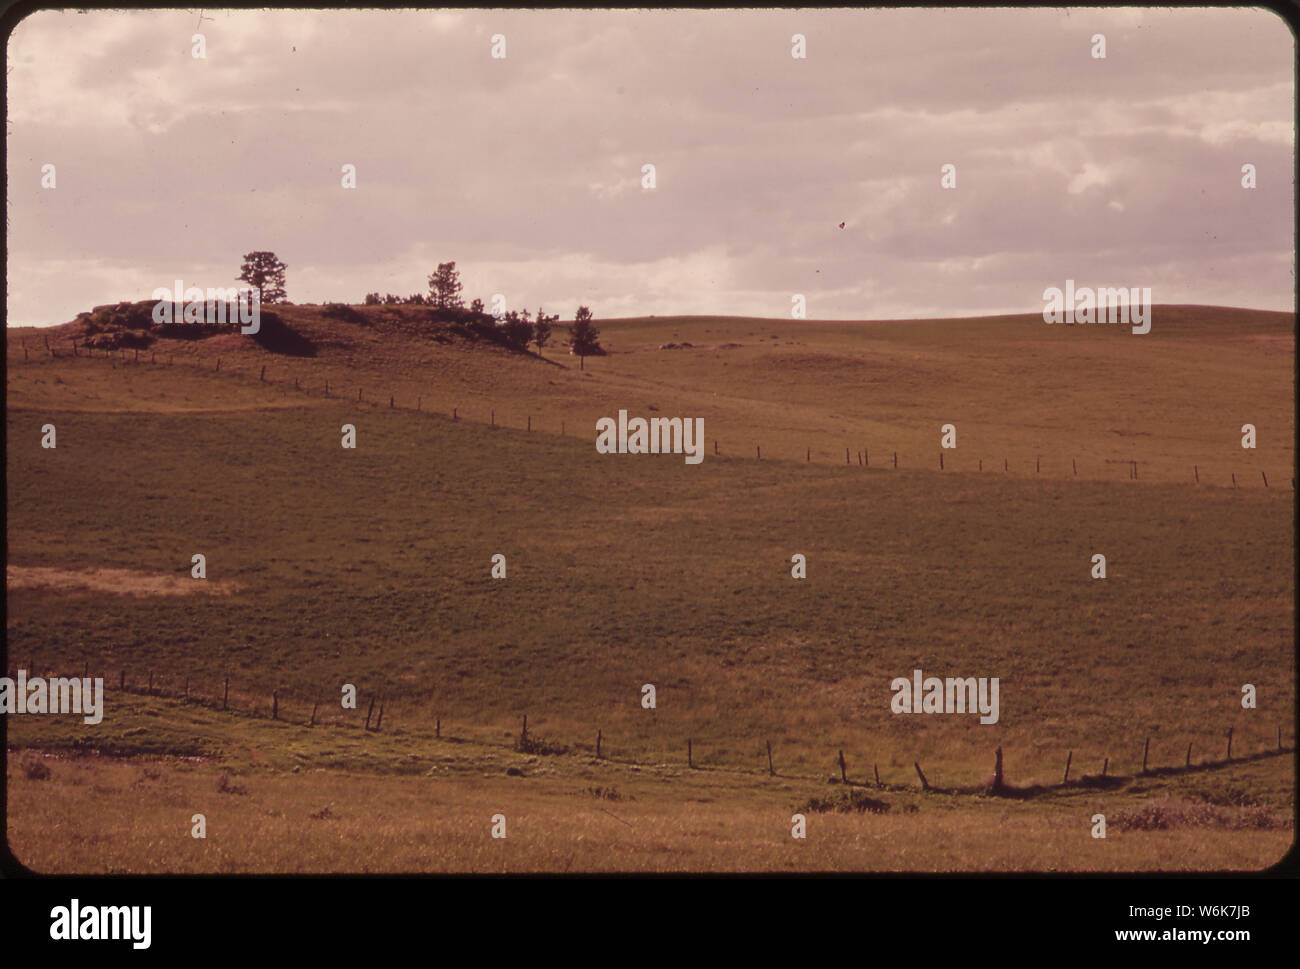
<point x="371" y="566"/>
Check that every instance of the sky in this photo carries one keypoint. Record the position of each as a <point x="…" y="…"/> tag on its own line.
<point x="774" y="175"/>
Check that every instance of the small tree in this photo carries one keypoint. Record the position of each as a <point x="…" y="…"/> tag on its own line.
<point x="444" y="287"/>
<point x="373" y="299"/>
<point x="265" y="272"/>
<point x="476" y="306"/>
<point x="583" y="337"/>
<point x="542" y="329"/>
<point x="516" y="330"/>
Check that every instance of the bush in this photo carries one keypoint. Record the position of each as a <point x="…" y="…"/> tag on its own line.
<point x="36" y="770"/>
<point x="516" y="332"/>
<point x="540" y="746"/>
<point x="341" y="311"/>
<point x="845" y="802"/>
<point x="1165" y="813"/>
<point x="224" y="786"/>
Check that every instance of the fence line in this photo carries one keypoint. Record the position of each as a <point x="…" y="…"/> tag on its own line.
<point x="130" y="356"/>
<point x="271" y="704"/>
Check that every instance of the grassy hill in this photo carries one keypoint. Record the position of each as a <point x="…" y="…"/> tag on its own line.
<point x="371" y="567"/>
<point x="1019" y="391"/>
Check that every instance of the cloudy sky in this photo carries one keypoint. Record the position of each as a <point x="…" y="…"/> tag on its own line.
<point x="527" y="170"/>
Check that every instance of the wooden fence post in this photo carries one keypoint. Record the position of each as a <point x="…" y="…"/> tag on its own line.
<point x="875" y="769"/>
<point x="379" y="723"/>
<point x="369" y="712"/>
<point x="690" y="753"/>
<point x="758" y="449"/>
<point x="358" y="394"/>
<point x="225" y="697"/>
<point x="770" y="769"/>
<point x="1234" y="479"/>
<point x="275" y="705"/>
<point x="453" y="415"/>
<point x="1188" y="762"/>
<point x="437" y="728"/>
<point x="523" y="733"/>
<point x="598" y="736"/>
<point x="1075" y="463"/>
<point x="1196" y="471"/>
<point x="1145" y="750"/>
<point x="1068" y="758"/>
<point x="895" y="460"/>
<point x="187" y="689"/>
<point x="925" y="786"/>
<point x="1004" y="465"/>
<point x="997" y="770"/>
<point x="263" y="376"/>
<point x="846" y="456"/>
<point x="1265" y="477"/>
<point x="530" y="422"/>
<point x="419" y="402"/>
<point x="940" y="460"/>
<point x="844" y="769"/>
<point x="866" y="457"/>
<point x="1038" y="465"/>
<point x="314" y="707"/>
<point x="151" y="682"/>
<point x="1104" y="765"/>
<point x="1230" y="729"/>
<point x="808" y="456"/>
<point x="494" y="417"/>
<point x="121" y="685"/>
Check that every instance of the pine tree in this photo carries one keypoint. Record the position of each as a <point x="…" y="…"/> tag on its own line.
<point x="444" y="287"/>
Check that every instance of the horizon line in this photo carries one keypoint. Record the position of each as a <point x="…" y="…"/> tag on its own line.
<point x="767" y="319"/>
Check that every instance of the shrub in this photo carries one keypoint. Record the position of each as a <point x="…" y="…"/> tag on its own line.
<point x="845" y="802"/>
<point x="224" y="786"/>
<point x="540" y="745"/>
<point x="1165" y="813"/>
<point x="341" y="311"/>
<point x="36" y="770"/>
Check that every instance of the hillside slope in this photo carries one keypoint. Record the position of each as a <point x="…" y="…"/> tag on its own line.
<point x="1031" y="397"/>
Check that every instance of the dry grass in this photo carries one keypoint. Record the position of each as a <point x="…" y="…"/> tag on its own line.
<point x="104" y="815"/>
<point x="787" y="385"/>
<point x="373" y="571"/>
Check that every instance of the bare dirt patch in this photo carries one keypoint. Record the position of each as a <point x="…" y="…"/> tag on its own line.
<point x="118" y="581"/>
